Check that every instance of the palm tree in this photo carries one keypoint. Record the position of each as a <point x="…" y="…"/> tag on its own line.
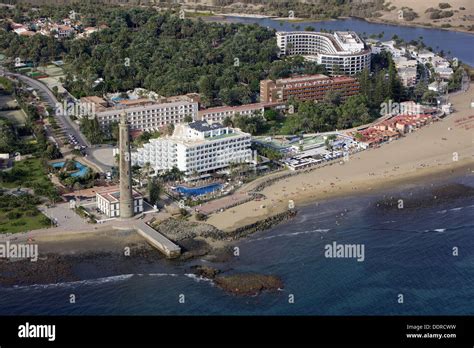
<point x="145" y="171"/>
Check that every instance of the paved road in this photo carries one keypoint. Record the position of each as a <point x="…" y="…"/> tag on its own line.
<point x="64" y="121"/>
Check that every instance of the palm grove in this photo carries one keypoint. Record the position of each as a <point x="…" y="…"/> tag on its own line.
<point x="172" y="56"/>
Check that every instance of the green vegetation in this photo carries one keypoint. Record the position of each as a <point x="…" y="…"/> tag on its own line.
<point x="455" y="82"/>
<point x="200" y="216"/>
<point x="145" y="137"/>
<point x="254" y="124"/>
<point x="438" y="14"/>
<point x="6" y="85"/>
<point x="155" y="189"/>
<point x="322" y="117"/>
<point x="74" y="182"/>
<point x="223" y="62"/>
<point x="183" y="213"/>
<point x="268" y="152"/>
<point x="408" y="14"/>
<point x="95" y="134"/>
<point x="30" y="173"/>
<point x="19" y="213"/>
<point x="444" y="5"/>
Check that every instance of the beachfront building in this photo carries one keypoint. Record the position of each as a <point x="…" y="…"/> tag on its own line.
<point x="407" y="70"/>
<point x="307" y="87"/>
<point x="444" y="73"/>
<point x="197" y="147"/>
<point x="391" y="129"/>
<point x="342" y="52"/>
<point x="388" y="46"/>
<point x="108" y="202"/>
<point x="438" y="86"/>
<point x="143" y="114"/>
<point x="218" y="114"/>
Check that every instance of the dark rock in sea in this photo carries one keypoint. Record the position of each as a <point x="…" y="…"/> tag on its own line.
<point x="193" y="248"/>
<point x="205" y="271"/>
<point x="425" y="199"/>
<point x="248" y="284"/>
<point x="52" y="269"/>
<point x="220" y="255"/>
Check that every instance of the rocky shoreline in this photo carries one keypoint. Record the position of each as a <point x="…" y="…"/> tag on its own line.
<point x="241" y="284"/>
<point x="54" y="268"/>
<point x="199" y="239"/>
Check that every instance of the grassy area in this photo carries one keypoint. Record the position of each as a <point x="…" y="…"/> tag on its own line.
<point x="23" y="223"/>
<point x="190" y="14"/>
<point x="19" y="214"/>
<point x="27" y="173"/>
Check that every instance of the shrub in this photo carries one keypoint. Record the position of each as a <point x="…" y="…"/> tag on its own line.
<point x="19" y="223"/>
<point x="409" y="15"/>
<point x="443" y="5"/>
<point x="200" y="216"/>
<point x="14" y="215"/>
<point x="31" y="212"/>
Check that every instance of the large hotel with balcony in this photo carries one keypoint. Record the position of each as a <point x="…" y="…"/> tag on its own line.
<point x="144" y="114"/>
<point x="343" y="52"/>
<point x="307" y="87"/>
<point x="197" y="147"/>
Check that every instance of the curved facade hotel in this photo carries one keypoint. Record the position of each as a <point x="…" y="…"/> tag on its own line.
<point x="344" y="49"/>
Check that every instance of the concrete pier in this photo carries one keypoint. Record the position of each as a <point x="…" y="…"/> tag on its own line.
<point x="167" y="247"/>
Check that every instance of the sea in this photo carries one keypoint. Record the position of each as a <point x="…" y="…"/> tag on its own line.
<point x="418" y="260"/>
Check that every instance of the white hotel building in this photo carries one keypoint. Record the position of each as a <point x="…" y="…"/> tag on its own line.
<point x="197" y="147"/>
<point x="143" y="114"/>
<point x="344" y="49"/>
<point x="219" y="114"/>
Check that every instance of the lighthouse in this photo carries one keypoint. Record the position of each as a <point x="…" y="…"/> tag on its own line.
<point x="126" y="196"/>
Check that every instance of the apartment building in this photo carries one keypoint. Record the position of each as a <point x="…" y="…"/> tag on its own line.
<point x="218" y="114"/>
<point x="342" y="52"/>
<point x="307" y="87"/>
<point x="197" y="147"/>
<point x="143" y="114"/>
<point x="407" y="70"/>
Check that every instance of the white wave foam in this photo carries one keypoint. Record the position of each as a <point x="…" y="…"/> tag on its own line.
<point x="198" y="278"/>
<point x="162" y="275"/>
<point x="290" y="234"/>
<point x="103" y="280"/>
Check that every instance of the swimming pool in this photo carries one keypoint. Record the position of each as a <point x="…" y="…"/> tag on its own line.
<point x="81" y="169"/>
<point x="198" y="191"/>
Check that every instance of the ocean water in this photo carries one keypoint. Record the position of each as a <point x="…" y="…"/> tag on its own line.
<point x="407" y="251"/>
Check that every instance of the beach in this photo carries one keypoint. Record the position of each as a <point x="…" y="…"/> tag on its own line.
<point x="434" y="150"/>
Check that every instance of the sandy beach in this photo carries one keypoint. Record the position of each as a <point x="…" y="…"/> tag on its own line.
<point x="430" y="151"/>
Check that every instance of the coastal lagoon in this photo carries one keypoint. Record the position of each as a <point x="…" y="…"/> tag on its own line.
<point x="408" y="251"/>
<point x="458" y="43"/>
